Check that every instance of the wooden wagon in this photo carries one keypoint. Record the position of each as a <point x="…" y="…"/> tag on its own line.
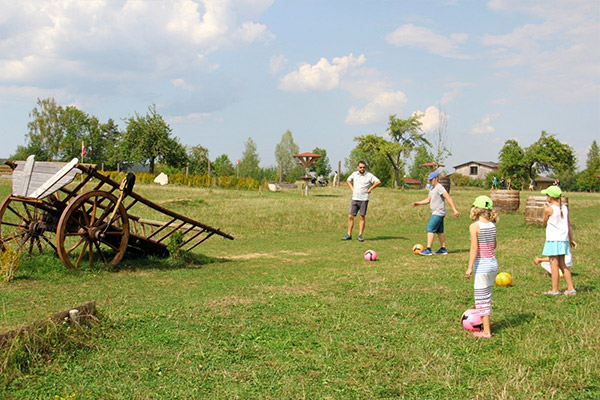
<point x="90" y="220"/>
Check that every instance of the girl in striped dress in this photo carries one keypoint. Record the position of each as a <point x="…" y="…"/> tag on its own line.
<point x="482" y="259"/>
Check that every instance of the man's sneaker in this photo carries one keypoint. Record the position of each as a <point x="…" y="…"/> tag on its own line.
<point x="360" y="238"/>
<point x="347" y="237"/>
<point x="441" y="251"/>
<point x="426" y="252"/>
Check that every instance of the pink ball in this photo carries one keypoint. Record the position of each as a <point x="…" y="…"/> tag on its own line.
<point x="370" y="255"/>
<point x="471" y="320"/>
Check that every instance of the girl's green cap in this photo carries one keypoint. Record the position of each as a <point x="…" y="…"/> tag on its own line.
<point x="552" y="191"/>
<point x="483" y="202"/>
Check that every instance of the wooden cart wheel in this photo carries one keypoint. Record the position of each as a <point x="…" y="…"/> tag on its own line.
<point x="87" y="233"/>
<point x="27" y="226"/>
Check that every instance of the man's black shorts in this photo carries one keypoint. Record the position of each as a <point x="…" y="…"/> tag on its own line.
<point x="358" y="205"/>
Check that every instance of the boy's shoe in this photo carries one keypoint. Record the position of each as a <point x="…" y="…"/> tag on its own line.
<point x="426" y="252"/>
<point x="442" y="251"/>
<point x="347" y="237"/>
<point x="360" y="238"/>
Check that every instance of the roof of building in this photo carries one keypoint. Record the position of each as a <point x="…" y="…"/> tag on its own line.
<point x="489" y="164"/>
<point x="411" y="181"/>
<point x="308" y="155"/>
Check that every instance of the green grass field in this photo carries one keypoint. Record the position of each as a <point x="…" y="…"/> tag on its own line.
<point x="288" y="311"/>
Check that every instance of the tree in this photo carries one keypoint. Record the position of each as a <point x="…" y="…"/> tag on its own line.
<point x="79" y="127"/>
<point x="440" y="140"/>
<point x="250" y="160"/>
<point x="112" y="149"/>
<point x="284" y="155"/>
<point x="422" y="156"/>
<point x="45" y="131"/>
<point x="322" y="167"/>
<point x="548" y="154"/>
<point x="377" y="164"/>
<point x="545" y="155"/>
<point x="405" y="136"/>
<point x="589" y="178"/>
<point x="56" y="133"/>
<point x="512" y="163"/>
<point x="148" y="140"/>
<point x="198" y="160"/>
<point x="222" y="166"/>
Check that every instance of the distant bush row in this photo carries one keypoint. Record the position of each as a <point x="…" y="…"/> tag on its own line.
<point x="228" y="182"/>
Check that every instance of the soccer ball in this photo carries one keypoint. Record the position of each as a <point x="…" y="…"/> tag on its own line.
<point x="418" y="248"/>
<point x="504" y="279"/>
<point x="370" y="255"/>
<point x="471" y="320"/>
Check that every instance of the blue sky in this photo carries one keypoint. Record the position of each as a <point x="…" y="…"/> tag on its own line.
<point x="223" y="71"/>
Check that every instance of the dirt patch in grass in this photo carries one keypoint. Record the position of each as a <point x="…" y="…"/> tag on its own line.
<point x="224" y="304"/>
<point x="250" y="256"/>
<point x="299" y="290"/>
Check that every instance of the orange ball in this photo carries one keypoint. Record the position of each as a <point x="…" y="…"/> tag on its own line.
<point x="418" y="248"/>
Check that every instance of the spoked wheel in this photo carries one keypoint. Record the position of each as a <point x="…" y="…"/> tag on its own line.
<point x="90" y="232"/>
<point x="27" y="226"/>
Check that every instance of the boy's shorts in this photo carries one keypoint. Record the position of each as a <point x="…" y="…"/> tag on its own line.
<point x="435" y="224"/>
<point x="358" y="205"/>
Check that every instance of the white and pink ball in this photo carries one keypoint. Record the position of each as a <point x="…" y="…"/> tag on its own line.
<point x="471" y="320"/>
<point x="370" y="255"/>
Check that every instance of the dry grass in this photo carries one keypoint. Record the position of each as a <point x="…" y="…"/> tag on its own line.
<point x="287" y="310"/>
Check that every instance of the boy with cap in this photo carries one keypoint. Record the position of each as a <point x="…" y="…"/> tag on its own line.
<point x="437" y="195"/>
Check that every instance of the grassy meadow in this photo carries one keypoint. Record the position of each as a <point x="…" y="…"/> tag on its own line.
<point x="288" y="311"/>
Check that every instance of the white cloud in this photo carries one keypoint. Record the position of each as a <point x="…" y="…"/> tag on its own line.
<point x="277" y="64"/>
<point x="420" y="37"/>
<point x="484" y="126"/>
<point x="191" y="118"/>
<point x="557" y="58"/>
<point x="104" y="40"/>
<point x="431" y="119"/>
<point x="378" y="109"/>
<point x="251" y="32"/>
<point x="30" y="93"/>
<point x="181" y="83"/>
<point x="454" y="92"/>
<point x="323" y="76"/>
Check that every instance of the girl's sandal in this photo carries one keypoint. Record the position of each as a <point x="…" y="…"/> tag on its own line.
<point x="570" y="292"/>
<point x="551" y="293"/>
<point x="482" y="335"/>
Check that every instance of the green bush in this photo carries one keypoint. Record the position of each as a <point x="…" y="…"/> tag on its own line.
<point x="205" y="181"/>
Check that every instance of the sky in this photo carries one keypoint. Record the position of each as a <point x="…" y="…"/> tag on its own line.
<point x="223" y="71"/>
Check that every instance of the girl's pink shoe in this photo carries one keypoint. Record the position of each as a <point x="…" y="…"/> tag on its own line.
<point x="480" y="334"/>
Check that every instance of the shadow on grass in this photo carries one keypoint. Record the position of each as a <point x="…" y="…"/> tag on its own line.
<point x="452" y="251"/>
<point x="134" y="262"/>
<point x="387" y="237"/>
<point x="326" y="195"/>
<point x="512" y="322"/>
<point x="585" y="289"/>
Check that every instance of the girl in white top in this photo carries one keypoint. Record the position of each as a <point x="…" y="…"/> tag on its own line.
<point x="558" y="237"/>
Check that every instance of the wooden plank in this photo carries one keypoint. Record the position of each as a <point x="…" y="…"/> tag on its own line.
<point x="39" y="192"/>
<point x="22" y="185"/>
<point x="87" y="311"/>
<point x="61" y="183"/>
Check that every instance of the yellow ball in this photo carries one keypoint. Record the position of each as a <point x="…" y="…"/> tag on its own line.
<point x="418" y="248"/>
<point x="504" y="279"/>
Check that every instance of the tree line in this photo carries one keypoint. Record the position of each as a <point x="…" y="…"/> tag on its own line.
<point x="56" y="133"/>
